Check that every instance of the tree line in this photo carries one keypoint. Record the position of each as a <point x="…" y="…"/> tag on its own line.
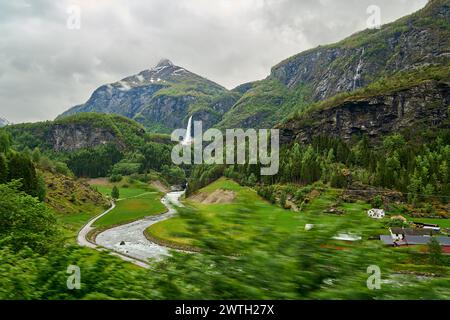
<point x="419" y="170"/>
<point x="19" y="167"/>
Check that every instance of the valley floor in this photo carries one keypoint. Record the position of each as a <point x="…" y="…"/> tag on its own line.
<point x="244" y="216"/>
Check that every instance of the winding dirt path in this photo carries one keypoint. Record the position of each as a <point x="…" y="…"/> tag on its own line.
<point x="128" y="241"/>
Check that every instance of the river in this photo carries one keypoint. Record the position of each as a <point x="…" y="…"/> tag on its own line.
<point x="128" y="240"/>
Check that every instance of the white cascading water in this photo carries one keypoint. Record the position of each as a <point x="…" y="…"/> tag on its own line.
<point x="188" y="138"/>
<point x="357" y="76"/>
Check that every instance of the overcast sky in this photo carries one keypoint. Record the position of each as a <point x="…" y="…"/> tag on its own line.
<point x="46" y="67"/>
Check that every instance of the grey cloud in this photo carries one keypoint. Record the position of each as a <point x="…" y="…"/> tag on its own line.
<point x="46" y="68"/>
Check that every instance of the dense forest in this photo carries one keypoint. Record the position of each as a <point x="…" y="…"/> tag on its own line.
<point x="419" y="170"/>
<point x="35" y="263"/>
<point x="35" y="258"/>
<point x="127" y="151"/>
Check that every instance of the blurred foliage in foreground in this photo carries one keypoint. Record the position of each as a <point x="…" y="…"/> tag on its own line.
<point x="302" y="265"/>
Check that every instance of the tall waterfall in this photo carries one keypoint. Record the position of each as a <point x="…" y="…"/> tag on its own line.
<point x="188" y="138"/>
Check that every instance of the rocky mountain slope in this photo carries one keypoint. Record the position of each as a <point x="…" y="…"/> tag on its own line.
<point x="162" y="98"/>
<point x="87" y="130"/>
<point x="420" y="39"/>
<point x="410" y="102"/>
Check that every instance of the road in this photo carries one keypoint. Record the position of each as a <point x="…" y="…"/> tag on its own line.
<point x="82" y="235"/>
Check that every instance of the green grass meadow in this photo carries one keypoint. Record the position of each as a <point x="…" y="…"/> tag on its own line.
<point x="261" y="220"/>
<point x="136" y="201"/>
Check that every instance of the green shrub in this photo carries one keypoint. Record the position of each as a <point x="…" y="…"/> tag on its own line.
<point x="115" y="193"/>
<point x="126" y="168"/>
<point x="62" y="168"/>
<point x="115" y="178"/>
<point x="377" y="202"/>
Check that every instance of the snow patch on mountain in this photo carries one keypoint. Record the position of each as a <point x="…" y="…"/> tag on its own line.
<point x="124" y="86"/>
<point x="140" y="77"/>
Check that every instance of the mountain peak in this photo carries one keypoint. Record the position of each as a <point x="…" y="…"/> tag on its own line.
<point x="3" y="122"/>
<point x="164" y="63"/>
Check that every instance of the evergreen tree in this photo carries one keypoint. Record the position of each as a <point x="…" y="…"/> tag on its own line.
<point x="414" y="187"/>
<point x="115" y="193"/>
<point x="252" y="180"/>
<point x="21" y="167"/>
<point x="283" y="199"/>
<point x="435" y="252"/>
<point x="3" y="169"/>
<point x="41" y="190"/>
<point x="36" y="155"/>
<point x="5" y="141"/>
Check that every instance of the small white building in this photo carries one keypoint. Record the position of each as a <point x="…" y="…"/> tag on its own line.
<point x="376" y="213"/>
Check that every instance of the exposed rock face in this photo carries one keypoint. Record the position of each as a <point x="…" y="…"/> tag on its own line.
<point x="114" y="98"/>
<point x="358" y="191"/>
<point x="421" y="106"/>
<point x="216" y="197"/>
<point x="71" y="137"/>
<point x="84" y="131"/>
<point x="396" y="47"/>
<point x="168" y="110"/>
<point x="162" y="98"/>
<point x="330" y="71"/>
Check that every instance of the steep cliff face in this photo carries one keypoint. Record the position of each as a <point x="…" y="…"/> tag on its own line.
<point x="115" y="98"/>
<point x="359" y="60"/>
<point x="162" y="98"/>
<point x="418" y="40"/>
<point x="71" y="137"/>
<point x="83" y="131"/>
<point x="419" y="107"/>
<point x="168" y="110"/>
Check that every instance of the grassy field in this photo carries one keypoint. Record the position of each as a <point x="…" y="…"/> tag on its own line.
<point x="175" y="230"/>
<point x="74" y="222"/>
<point x="125" y="192"/>
<point x="265" y="224"/>
<point x="136" y="201"/>
<point x="262" y="219"/>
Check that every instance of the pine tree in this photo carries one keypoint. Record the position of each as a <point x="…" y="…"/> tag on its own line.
<point x="21" y="167"/>
<point x="115" y="193"/>
<point x="5" y="141"/>
<point x="252" y="180"/>
<point x="435" y="252"/>
<point x="3" y="169"/>
<point x="36" y="155"/>
<point x="283" y="199"/>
